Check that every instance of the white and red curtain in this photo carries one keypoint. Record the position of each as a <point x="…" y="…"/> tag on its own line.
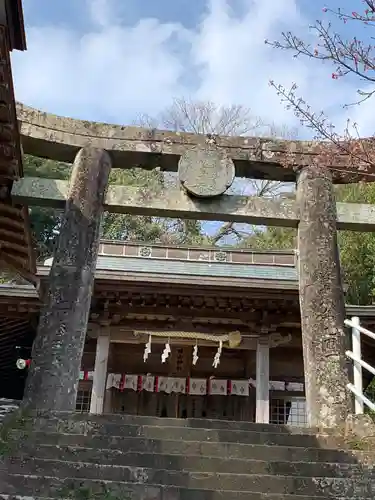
<point x="192" y="386"/>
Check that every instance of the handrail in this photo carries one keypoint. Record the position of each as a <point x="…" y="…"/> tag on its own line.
<point x="358" y="363"/>
<point x="352" y="323"/>
<point x="361" y="362"/>
<point x="361" y="396"/>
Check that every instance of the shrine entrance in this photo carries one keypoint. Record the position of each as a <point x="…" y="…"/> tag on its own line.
<point x="210" y="381"/>
<point x="177" y="388"/>
<point x="226" y="407"/>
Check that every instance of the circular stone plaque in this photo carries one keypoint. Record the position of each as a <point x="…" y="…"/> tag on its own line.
<point x="206" y="171"/>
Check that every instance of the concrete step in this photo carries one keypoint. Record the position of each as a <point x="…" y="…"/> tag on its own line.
<point x="33" y="488"/>
<point x="198" y="463"/>
<point x="7" y="406"/>
<point x="188" y="448"/>
<point x="185" y="433"/>
<point x="198" y="423"/>
<point x="326" y="487"/>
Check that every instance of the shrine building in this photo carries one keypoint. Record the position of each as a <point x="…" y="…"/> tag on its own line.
<point x="156" y="320"/>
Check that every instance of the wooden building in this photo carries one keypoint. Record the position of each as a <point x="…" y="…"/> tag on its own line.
<point x="16" y="248"/>
<point x="178" y="293"/>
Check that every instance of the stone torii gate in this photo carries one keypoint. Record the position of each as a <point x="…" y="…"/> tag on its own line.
<point x="206" y="168"/>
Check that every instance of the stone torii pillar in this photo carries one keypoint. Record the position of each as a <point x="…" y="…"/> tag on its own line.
<point x="57" y="351"/>
<point x="321" y="300"/>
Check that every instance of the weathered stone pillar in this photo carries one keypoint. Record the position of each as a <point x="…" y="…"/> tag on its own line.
<point x="321" y="300"/>
<point x="56" y="356"/>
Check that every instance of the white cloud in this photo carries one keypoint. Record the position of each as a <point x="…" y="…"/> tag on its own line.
<point x="114" y="71"/>
<point x="103" y="12"/>
<point x="109" y="72"/>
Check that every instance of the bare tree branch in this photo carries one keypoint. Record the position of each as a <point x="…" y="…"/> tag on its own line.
<point x="349" y="57"/>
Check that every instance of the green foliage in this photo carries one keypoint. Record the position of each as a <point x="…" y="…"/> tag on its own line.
<point x="44" y="221"/>
<point x="270" y="238"/>
<point x="102" y="492"/>
<point x="39" y="167"/>
<point x="370" y="394"/>
<point x="357" y="250"/>
<point x="14" y="429"/>
<point x="126" y="227"/>
<point x="370" y="390"/>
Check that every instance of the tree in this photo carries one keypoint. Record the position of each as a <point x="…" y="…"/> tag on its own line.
<point x="350" y="57"/>
<point x="45" y="221"/>
<point x="134" y="228"/>
<point x="270" y="238"/>
<point x="357" y="250"/>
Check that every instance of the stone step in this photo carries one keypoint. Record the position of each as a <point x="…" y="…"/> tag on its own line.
<point x="198" y="463"/>
<point x="48" y="488"/>
<point x="7" y="406"/>
<point x="326" y="487"/>
<point x="187" y="448"/>
<point x="186" y="433"/>
<point x="20" y="497"/>
<point x="198" y="423"/>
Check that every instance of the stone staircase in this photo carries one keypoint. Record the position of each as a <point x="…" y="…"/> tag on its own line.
<point x="112" y="457"/>
<point x="7" y="406"/>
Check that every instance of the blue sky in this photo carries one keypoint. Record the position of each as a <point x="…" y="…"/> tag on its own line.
<point x="111" y="60"/>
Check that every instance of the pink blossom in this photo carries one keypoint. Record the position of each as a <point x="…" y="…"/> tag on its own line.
<point x="335" y="76"/>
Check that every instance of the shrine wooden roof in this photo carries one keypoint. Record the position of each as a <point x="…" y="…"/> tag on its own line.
<point x="118" y="261"/>
<point x="219" y="269"/>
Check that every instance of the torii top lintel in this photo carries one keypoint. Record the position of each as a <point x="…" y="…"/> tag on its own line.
<point x="59" y="138"/>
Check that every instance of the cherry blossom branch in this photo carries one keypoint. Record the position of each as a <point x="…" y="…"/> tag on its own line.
<point x="361" y="152"/>
<point x="349" y="56"/>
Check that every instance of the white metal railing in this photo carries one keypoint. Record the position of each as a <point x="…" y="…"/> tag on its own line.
<point x="358" y="363"/>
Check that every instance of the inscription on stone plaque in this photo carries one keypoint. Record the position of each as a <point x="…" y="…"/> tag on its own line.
<point x="206" y="171"/>
<point x="329" y="346"/>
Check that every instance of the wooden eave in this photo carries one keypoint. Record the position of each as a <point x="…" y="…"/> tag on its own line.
<point x="16" y="248"/>
<point x="16" y="25"/>
<point x="117" y="280"/>
<point x="19" y="300"/>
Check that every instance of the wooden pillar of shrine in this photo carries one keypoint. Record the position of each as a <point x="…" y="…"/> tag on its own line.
<point x="321" y="300"/>
<point x="100" y="372"/>
<point x="57" y="351"/>
<point x="262" y="409"/>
